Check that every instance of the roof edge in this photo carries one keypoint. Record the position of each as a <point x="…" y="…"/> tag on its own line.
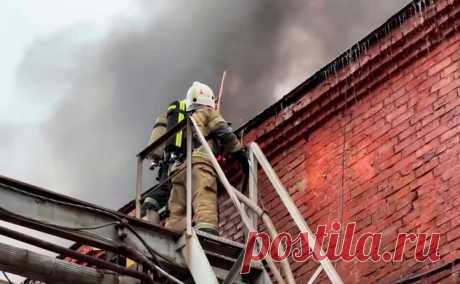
<point x="348" y="57"/>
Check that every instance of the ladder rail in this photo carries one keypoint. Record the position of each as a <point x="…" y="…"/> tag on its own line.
<point x="315" y="275"/>
<point x="293" y="210"/>
<point x="196" y="259"/>
<point x="188" y="185"/>
<point x="193" y="252"/>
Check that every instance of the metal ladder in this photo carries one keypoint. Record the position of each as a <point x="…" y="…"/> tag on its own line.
<point x="195" y="256"/>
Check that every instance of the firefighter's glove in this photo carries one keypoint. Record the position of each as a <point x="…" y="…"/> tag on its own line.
<point x="242" y="157"/>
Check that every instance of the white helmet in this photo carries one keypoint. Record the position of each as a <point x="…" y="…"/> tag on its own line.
<point x="199" y="94"/>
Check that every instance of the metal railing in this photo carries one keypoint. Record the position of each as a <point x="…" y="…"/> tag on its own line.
<point x="325" y="263"/>
<point x="192" y="247"/>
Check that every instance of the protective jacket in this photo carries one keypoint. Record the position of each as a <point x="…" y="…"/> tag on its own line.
<point x="204" y="182"/>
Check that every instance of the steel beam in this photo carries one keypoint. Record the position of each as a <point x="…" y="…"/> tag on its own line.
<point x="51" y="270"/>
<point x="45" y="211"/>
<point x="71" y="253"/>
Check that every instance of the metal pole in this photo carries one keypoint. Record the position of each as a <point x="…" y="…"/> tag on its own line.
<point x="253" y="187"/>
<point x="189" y="178"/>
<point x="294" y="211"/>
<point x="139" y="186"/>
<point x="73" y="254"/>
<point x="52" y="270"/>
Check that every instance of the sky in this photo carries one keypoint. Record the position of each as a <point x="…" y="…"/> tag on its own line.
<point x="81" y="82"/>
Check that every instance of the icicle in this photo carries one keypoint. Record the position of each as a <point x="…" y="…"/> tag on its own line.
<point x="419" y="4"/>
<point x="366" y="45"/>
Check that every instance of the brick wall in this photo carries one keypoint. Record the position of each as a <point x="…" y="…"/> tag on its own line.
<point x="382" y="134"/>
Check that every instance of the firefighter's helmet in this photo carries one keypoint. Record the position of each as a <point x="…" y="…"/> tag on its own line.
<point x="199" y="94"/>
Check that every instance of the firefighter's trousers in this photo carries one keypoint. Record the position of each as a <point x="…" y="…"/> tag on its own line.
<point x="204" y="197"/>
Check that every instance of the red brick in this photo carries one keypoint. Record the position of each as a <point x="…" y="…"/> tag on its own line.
<point x="429" y="83"/>
<point x="420" y="78"/>
<point x="444" y="82"/>
<point x="373" y="110"/>
<point x="412" y="147"/>
<point x="381" y="140"/>
<point x="422" y="113"/>
<point x="450" y="69"/>
<point x="389" y="162"/>
<point x="440" y="66"/>
<point x="455" y="84"/>
<point x="452" y="171"/>
<point x="453" y="234"/>
<point x="450" y="133"/>
<point x="456" y="55"/>
<point x="402" y="181"/>
<point x="426" y="128"/>
<point x="423" y="150"/>
<point x="407" y="132"/>
<point x="446" y="102"/>
<point x="401" y="110"/>
<point x="403" y="118"/>
<point x="405" y="167"/>
<point x="435" y="133"/>
<point x="398" y="93"/>
<point x="426" y="167"/>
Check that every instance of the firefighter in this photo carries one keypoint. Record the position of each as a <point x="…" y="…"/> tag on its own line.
<point x="162" y="157"/>
<point x="220" y="136"/>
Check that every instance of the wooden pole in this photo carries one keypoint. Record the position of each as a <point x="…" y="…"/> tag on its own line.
<point x="221" y="91"/>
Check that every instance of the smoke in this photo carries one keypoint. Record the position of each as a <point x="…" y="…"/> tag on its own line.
<point x="108" y="90"/>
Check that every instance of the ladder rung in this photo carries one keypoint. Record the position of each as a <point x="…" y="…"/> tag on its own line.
<point x="220" y="245"/>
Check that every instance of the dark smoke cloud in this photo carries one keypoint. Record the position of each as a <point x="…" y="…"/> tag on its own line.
<point x="114" y="87"/>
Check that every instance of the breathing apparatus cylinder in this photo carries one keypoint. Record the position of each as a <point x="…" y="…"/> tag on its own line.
<point x="158" y="130"/>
